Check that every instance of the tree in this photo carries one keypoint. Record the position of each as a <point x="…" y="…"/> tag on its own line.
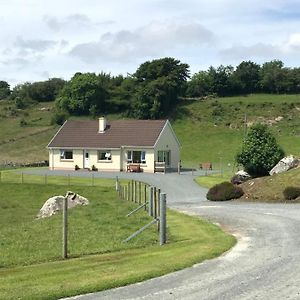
<point x="4" y="90"/>
<point x="83" y="93"/>
<point x="200" y="84"/>
<point x="246" y="77"/>
<point x="158" y="85"/>
<point x="20" y="95"/>
<point x="45" y="91"/>
<point x="260" y="151"/>
<point x="271" y="76"/>
<point x="221" y="83"/>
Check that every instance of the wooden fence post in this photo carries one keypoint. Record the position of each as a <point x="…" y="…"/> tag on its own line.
<point x="65" y="228"/>
<point x="145" y="196"/>
<point x="163" y="219"/>
<point x="132" y="196"/>
<point x="140" y="192"/>
<point x="155" y="203"/>
<point x="150" y="206"/>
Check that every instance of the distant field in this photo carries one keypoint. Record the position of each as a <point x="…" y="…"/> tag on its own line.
<point x="210" y="130"/>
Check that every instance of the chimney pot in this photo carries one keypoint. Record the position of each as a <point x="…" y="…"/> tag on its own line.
<point x="102" y="124"/>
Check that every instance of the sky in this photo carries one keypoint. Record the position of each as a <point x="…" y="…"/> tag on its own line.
<point x="45" y="39"/>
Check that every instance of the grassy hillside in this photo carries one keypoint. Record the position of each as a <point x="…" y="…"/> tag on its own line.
<point x="209" y="130"/>
<point x="25" y="134"/>
<point x="213" y="130"/>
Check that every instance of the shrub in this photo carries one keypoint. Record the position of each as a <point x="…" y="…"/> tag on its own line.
<point x="94" y="168"/>
<point x="260" y="151"/>
<point x="224" y="191"/>
<point x="76" y="168"/>
<point x="23" y="122"/>
<point x="59" y="118"/>
<point x="291" y="192"/>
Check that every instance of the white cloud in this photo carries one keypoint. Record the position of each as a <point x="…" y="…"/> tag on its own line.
<point x="37" y="45"/>
<point x="156" y="38"/>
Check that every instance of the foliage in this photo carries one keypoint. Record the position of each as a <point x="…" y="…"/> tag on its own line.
<point x="158" y="85"/>
<point x="20" y="95"/>
<point x="45" y="91"/>
<point x="89" y="93"/>
<point x="224" y="191"/>
<point x="76" y="168"/>
<point x="4" y="90"/>
<point x="59" y="117"/>
<point x="94" y="168"/>
<point x="260" y="151"/>
<point x="246" y="78"/>
<point x="23" y="122"/>
<point x="291" y="192"/>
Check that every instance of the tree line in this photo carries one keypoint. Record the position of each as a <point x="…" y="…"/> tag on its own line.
<point x="153" y="89"/>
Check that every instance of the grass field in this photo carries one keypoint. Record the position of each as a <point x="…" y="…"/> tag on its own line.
<point x="30" y="249"/>
<point x="210" y="130"/>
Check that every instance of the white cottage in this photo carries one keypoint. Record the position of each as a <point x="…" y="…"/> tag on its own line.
<point x="123" y="145"/>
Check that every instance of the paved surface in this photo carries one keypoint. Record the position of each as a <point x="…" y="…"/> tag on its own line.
<point x="265" y="264"/>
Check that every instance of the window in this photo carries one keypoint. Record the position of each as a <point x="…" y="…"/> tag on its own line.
<point x="104" y="155"/>
<point x="164" y="156"/>
<point x="66" y="154"/>
<point x="136" y="157"/>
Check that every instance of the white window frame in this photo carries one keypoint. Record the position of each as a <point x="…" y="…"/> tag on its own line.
<point x="142" y="156"/>
<point x="63" y="154"/>
<point x="107" y="155"/>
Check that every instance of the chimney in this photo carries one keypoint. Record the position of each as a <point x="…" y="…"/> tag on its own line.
<point x="102" y="124"/>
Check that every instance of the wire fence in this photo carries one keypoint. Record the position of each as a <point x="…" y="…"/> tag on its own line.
<point x="148" y="198"/>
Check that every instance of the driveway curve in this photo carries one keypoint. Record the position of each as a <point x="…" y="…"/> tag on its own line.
<point x="265" y="263"/>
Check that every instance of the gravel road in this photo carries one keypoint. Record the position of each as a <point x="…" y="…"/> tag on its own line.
<point x="265" y="263"/>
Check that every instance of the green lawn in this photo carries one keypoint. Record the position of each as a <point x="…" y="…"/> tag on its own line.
<point x="30" y="249"/>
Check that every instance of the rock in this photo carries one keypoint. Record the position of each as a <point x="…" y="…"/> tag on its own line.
<point x="55" y="204"/>
<point x="285" y="164"/>
<point x="240" y="177"/>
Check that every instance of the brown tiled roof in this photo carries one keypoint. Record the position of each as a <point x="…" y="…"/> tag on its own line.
<point x="85" y="134"/>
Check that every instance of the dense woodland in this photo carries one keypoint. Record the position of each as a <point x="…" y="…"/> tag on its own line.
<point x="153" y="90"/>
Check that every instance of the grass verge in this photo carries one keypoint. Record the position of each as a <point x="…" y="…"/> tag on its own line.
<point x="211" y="180"/>
<point x="190" y="241"/>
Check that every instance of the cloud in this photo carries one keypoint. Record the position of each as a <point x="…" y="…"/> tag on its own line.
<point x="287" y="47"/>
<point x="18" y="62"/>
<point x="37" y="45"/>
<point x="154" y="39"/>
<point x="259" y="50"/>
<point x="72" y="21"/>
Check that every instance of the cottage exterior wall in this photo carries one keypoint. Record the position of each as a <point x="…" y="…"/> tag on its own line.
<point x="168" y="142"/>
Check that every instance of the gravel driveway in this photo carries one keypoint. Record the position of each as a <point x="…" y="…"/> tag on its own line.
<point x="265" y="263"/>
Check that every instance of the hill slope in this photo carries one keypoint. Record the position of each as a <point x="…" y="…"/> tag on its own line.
<point x="209" y="130"/>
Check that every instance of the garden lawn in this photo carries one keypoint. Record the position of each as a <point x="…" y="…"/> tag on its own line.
<point x="30" y="249"/>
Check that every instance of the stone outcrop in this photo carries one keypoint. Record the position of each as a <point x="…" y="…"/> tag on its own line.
<point x="285" y="164"/>
<point x="55" y="204"/>
<point x="240" y="177"/>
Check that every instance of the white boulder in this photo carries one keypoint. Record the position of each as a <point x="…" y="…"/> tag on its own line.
<point x="55" y="204"/>
<point x="285" y="164"/>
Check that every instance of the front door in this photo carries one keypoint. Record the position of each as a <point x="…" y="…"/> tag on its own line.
<point x="86" y="159"/>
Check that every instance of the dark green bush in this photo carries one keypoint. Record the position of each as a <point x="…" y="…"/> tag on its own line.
<point x="291" y="192"/>
<point x="260" y="151"/>
<point x="76" y="168"/>
<point x="224" y="191"/>
<point x="94" y="168"/>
